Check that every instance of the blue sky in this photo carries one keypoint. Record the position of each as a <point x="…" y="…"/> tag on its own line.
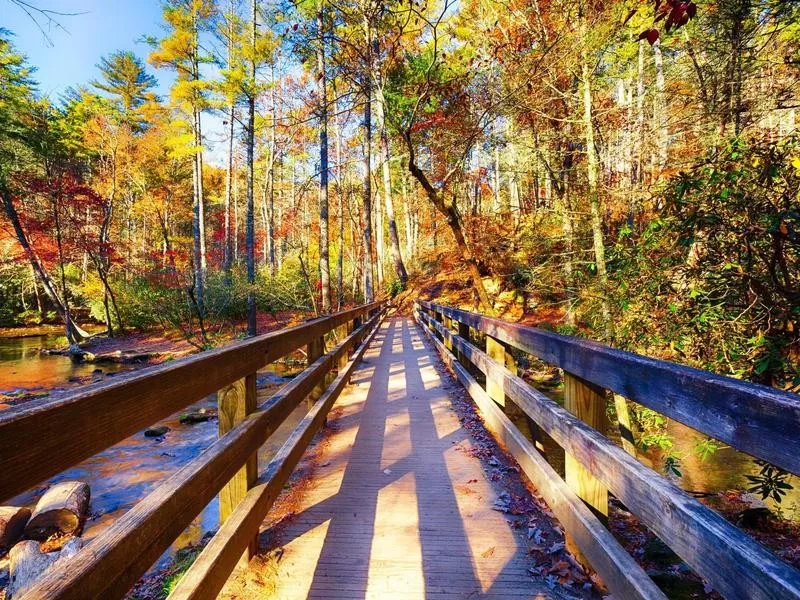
<point x="103" y="27"/>
<point x="99" y="28"/>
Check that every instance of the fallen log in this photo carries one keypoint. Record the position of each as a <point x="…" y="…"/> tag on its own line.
<point x="28" y="563"/>
<point x="12" y="525"/>
<point x="62" y="510"/>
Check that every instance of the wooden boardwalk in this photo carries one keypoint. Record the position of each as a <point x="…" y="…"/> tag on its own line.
<point x="398" y="506"/>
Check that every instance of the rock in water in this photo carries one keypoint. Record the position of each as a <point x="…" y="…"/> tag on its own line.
<point x="61" y="510"/>
<point x="28" y="564"/>
<point x="156" y="431"/>
<point x="12" y="525"/>
<point x="194" y="417"/>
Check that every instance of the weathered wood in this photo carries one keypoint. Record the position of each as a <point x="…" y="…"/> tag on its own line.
<point x="235" y="402"/>
<point x="753" y="418"/>
<point x="118" y="557"/>
<point x="735" y="565"/>
<point x="27" y="563"/>
<point x="108" y="412"/>
<point x="12" y="525"/>
<point x="208" y="574"/>
<point x="61" y="510"/>
<point x="620" y="572"/>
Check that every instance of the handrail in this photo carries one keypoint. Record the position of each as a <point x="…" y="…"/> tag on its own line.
<point x="108" y="412"/>
<point x="752" y="418"/>
<point x="113" y="561"/>
<point x="734" y="563"/>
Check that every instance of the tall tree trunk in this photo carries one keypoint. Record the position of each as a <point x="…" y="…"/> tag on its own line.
<point x="369" y="292"/>
<point x="661" y="109"/>
<point x="227" y="260"/>
<point x="73" y="332"/>
<point x="251" y="226"/>
<point x="273" y="153"/>
<point x="322" y="96"/>
<point x="594" y="198"/>
<point x="340" y="188"/>
<point x="198" y="223"/>
<point x="394" y="238"/>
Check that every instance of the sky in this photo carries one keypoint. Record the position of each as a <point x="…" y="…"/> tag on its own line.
<point x="92" y="29"/>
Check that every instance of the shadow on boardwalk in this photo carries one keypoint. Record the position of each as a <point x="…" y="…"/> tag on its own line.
<point x="399" y="505"/>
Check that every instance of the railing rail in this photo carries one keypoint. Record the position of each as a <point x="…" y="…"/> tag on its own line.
<point x="106" y="414"/>
<point x="734" y="564"/>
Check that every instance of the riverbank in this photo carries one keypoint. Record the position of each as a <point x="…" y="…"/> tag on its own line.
<point x="34" y="362"/>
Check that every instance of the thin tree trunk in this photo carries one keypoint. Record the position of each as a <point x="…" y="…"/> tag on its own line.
<point x="322" y="95"/>
<point x="198" y="224"/>
<point x="369" y="293"/>
<point x="594" y="198"/>
<point x="660" y="112"/>
<point x="340" y="187"/>
<point x="453" y="219"/>
<point x="394" y="238"/>
<point x="227" y="261"/>
<point x="73" y="332"/>
<point x="251" y="233"/>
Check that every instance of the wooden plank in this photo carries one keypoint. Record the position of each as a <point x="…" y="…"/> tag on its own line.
<point x="619" y="570"/>
<point x="234" y="403"/>
<point x="314" y="349"/>
<point x="112" y="562"/>
<point x="736" y="565"/>
<point x="208" y="574"/>
<point x="108" y="412"/>
<point x="756" y="419"/>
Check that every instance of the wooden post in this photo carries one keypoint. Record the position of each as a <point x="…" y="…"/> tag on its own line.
<point x="342" y="334"/>
<point x="448" y="324"/>
<point x="463" y="332"/>
<point x="587" y="402"/>
<point x="499" y="352"/>
<point x="315" y="349"/>
<point x="624" y="421"/>
<point x="234" y="403"/>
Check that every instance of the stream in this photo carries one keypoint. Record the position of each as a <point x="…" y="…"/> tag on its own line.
<point x="123" y="474"/>
<point x="723" y="470"/>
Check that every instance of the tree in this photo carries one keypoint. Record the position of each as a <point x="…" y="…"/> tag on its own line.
<point x="180" y="50"/>
<point x="126" y="80"/>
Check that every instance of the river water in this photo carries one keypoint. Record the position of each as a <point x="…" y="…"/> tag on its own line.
<point x="122" y="475"/>
<point x="723" y="470"/>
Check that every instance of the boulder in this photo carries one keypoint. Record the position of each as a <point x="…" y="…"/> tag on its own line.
<point x="62" y="510"/>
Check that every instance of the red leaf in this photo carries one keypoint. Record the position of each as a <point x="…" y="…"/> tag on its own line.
<point x="691" y="10"/>
<point x="652" y="36"/>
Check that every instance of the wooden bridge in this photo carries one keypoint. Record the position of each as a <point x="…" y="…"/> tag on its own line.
<point x="382" y="517"/>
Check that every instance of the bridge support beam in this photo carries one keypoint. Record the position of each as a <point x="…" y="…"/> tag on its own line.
<point x="234" y="403"/>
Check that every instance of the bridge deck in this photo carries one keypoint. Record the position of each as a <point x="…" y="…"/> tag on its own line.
<point x="396" y="506"/>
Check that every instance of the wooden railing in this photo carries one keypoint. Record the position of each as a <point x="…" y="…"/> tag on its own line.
<point x="42" y="438"/>
<point x="755" y="419"/>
